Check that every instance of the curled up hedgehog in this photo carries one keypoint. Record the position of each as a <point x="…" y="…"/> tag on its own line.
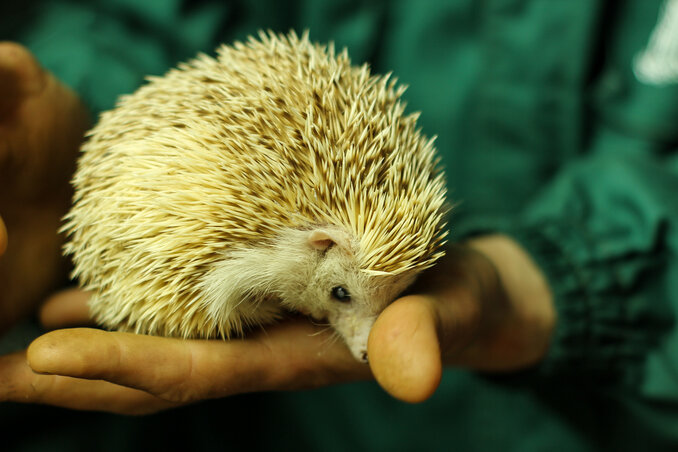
<point x="273" y="177"/>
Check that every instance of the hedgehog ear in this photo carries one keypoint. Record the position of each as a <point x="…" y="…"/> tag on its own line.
<point x="322" y="239"/>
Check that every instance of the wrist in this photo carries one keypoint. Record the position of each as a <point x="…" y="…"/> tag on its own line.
<point x="530" y="315"/>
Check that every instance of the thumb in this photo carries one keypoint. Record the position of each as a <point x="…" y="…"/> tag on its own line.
<point x="20" y="75"/>
<point x="404" y="351"/>
<point x="66" y="308"/>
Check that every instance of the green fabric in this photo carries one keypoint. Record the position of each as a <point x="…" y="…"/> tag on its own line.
<point x="546" y="133"/>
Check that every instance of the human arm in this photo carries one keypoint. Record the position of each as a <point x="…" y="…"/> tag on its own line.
<point x="313" y="361"/>
<point x="470" y="318"/>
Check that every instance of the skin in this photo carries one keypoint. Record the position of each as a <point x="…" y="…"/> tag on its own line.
<point x="41" y="126"/>
<point x="485" y="306"/>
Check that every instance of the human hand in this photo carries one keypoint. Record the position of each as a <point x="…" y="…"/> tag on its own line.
<point x="127" y="373"/>
<point x="484" y="306"/>
<point x="42" y="123"/>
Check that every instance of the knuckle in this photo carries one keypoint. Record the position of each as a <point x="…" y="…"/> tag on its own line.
<point x="180" y="394"/>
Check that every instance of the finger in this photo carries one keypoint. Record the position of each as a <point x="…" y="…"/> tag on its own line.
<point x="288" y="356"/>
<point x="18" y="383"/>
<point x="157" y="365"/>
<point x="3" y="237"/>
<point x="404" y="350"/>
<point x="66" y="308"/>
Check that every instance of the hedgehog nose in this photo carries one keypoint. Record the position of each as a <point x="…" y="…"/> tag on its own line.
<point x="363" y="356"/>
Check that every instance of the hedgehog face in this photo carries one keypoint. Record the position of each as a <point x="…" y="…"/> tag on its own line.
<point x="339" y="291"/>
<point x="351" y="300"/>
<point x="353" y="318"/>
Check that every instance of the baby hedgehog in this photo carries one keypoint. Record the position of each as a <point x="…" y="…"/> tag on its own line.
<point x="273" y="177"/>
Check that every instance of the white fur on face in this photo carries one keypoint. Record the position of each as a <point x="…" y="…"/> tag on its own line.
<point x="302" y="277"/>
<point x="369" y="295"/>
<point x="354" y="320"/>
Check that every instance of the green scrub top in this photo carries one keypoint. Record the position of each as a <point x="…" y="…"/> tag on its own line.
<point x="558" y="125"/>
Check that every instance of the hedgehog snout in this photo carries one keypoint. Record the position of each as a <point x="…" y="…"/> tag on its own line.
<point x="363" y="356"/>
<point x="360" y="353"/>
<point x="355" y="331"/>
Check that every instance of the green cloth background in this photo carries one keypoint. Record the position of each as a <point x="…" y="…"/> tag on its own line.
<point x="546" y="134"/>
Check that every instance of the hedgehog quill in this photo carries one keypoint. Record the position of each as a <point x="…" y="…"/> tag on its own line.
<point x="276" y="176"/>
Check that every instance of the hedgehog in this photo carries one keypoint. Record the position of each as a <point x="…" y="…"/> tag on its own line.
<point x="273" y="177"/>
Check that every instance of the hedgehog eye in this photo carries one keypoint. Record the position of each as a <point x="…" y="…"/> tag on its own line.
<point x="341" y="294"/>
